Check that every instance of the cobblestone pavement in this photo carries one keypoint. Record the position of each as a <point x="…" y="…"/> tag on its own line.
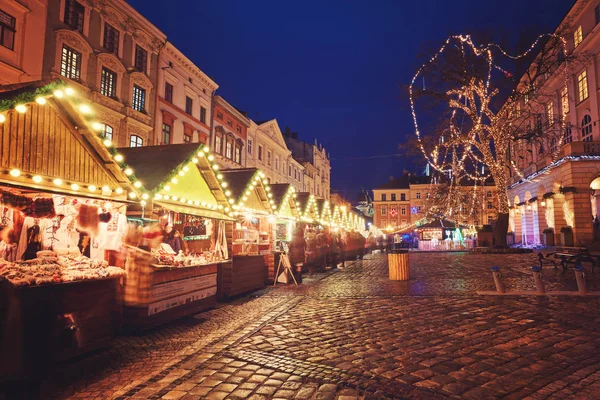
<point x="352" y="334"/>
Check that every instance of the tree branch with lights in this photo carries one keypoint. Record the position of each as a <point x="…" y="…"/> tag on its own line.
<point x="485" y="108"/>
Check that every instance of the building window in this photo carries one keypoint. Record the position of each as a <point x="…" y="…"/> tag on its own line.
<point x="289" y="170"/>
<point x="586" y="128"/>
<point x="138" y="102"/>
<point x="238" y="153"/>
<point x="189" y="103"/>
<point x="383" y="211"/>
<point x="7" y="30"/>
<point x="277" y="163"/>
<point x="402" y="197"/>
<point x="229" y="122"/>
<point x="141" y="59"/>
<point x="427" y="195"/>
<point x="249" y="146"/>
<point x="577" y="36"/>
<point x="229" y="148"/>
<point x="383" y="197"/>
<point x="550" y="112"/>
<point x="489" y="193"/>
<point x="166" y="134"/>
<point x="403" y="211"/>
<point x="70" y="64"/>
<point x="268" y="157"/>
<point x="296" y="177"/>
<point x="489" y="206"/>
<point x="111" y="39"/>
<point x="135" y="141"/>
<point x="107" y="132"/>
<point x="219" y="143"/>
<point x="108" y="83"/>
<point x="74" y="12"/>
<point x="168" y="92"/>
<point x="187" y="138"/>
<point x="260" y="152"/>
<point x="418" y="195"/>
<point x="219" y="115"/>
<point x="582" y="86"/>
<point x="393" y="196"/>
<point x="564" y="100"/>
<point x="203" y="115"/>
<point x="238" y="129"/>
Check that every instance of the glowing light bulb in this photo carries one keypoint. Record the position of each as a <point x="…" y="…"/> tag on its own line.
<point x="92" y="188"/>
<point x="145" y="196"/>
<point x="220" y="176"/>
<point x="85" y="109"/>
<point x="69" y="91"/>
<point x="215" y="167"/>
<point x="37" y="179"/>
<point x="174" y="180"/>
<point x="107" y="143"/>
<point x="211" y="157"/>
<point x="128" y="171"/>
<point x="57" y="182"/>
<point x="132" y="195"/>
<point x="137" y="184"/>
<point x="118" y="158"/>
<point x="157" y="196"/>
<point x="119" y="190"/>
<point x="21" y="108"/>
<point x="143" y="203"/>
<point x="106" y="189"/>
<point x="186" y="168"/>
<point x="195" y="160"/>
<point x="58" y="93"/>
<point x="205" y="149"/>
<point x="15" y="172"/>
<point x="224" y="184"/>
<point x="227" y="193"/>
<point x="2" y="118"/>
<point x="40" y="100"/>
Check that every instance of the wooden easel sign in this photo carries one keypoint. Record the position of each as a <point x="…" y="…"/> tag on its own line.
<point x="286" y="272"/>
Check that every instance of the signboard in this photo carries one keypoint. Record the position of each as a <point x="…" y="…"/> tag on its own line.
<point x="173" y="302"/>
<point x="168" y="295"/>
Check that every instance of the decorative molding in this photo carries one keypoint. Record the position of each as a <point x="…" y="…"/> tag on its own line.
<point x="73" y="39"/>
<point x="108" y="102"/>
<point x="112" y="62"/>
<point x="141" y="80"/>
<point x="138" y="116"/>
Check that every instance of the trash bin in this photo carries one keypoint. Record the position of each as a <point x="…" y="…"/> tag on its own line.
<point x="399" y="267"/>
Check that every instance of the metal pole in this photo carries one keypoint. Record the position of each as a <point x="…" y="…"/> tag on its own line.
<point x="537" y="279"/>
<point x="580" y="277"/>
<point x="498" y="279"/>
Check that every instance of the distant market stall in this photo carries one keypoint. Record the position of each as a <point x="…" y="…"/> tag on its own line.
<point x="252" y="232"/>
<point x="287" y="214"/>
<point x="62" y="216"/>
<point x="441" y="234"/>
<point x="177" y="277"/>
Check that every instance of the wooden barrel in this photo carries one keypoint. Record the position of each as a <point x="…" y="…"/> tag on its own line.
<point x="399" y="268"/>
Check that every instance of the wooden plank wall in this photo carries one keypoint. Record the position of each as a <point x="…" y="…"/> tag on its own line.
<point x="40" y="141"/>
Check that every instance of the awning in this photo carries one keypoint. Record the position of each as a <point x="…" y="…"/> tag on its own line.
<point x="200" y="212"/>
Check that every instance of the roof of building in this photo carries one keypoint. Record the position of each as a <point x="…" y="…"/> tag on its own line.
<point x="154" y="164"/>
<point x="279" y="191"/>
<point x="238" y="180"/>
<point x="398" y="183"/>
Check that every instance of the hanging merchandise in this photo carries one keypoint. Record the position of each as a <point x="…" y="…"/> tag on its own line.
<point x="88" y="218"/>
<point x="221" y="244"/>
<point x="39" y="208"/>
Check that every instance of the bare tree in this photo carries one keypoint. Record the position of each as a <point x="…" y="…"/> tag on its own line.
<point x="487" y="110"/>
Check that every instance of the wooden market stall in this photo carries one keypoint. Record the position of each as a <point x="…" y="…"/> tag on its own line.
<point x="179" y="276"/>
<point x="62" y="214"/>
<point x="287" y="214"/>
<point x="440" y="234"/>
<point x="251" y="233"/>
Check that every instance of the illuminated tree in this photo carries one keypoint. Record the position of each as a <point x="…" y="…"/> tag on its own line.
<point x="488" y="117"/>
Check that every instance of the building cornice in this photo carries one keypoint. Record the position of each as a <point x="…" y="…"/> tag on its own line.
<point x="189" y="66"/>
<point x="231" y="109"/>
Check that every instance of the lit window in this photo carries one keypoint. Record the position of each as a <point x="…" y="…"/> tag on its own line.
<point x="111" y="39"/>
<point x="135" y="141"/>
<point x="74" y="13"/>
<point x="550" y="112"/>
<point x="577" y="36"/>
<point x="418" y="195"/>
<point x="108" y="83"/>
<point x="403" y="211"/>
<point x="383" y="210"/>
<point x="489" y="206"/>
<point x="138" y="101"/>
<point x="70" y="64"/>
<point x="229" y="148"/>
<point x="582" y="85"/>
<point x="107" y="132"/>
<point x="187" y="138"/>
<point x="141" y="59"/>
<point x="586" y="128"/>
<point x="564" y="99"/>
<point x="166" y="134"/>
<point x="7" y="30"/>
<point x="219" y="143"/>
<point x="489" y="193"/>
<point x="238" y="153"/>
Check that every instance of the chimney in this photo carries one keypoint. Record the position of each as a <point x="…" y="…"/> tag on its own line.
<point x="391" y="177"/>
<point x="287" y="131"/>
<point x="294" y="135"/>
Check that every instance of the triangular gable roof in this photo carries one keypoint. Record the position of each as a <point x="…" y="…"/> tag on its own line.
<point x="283" y="194"/>
<point x="325" y="211"/>
<point x="271" y="127"/>
<point x="46" y="142"/>
<point x="248" y="189"/>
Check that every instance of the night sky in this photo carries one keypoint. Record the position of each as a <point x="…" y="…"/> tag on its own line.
<point x="335" y="70"/>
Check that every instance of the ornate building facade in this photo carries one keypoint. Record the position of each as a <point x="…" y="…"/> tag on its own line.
<point x="184" y="100"/>
<point x="109" y="52"/>
<point x="229" y="134"/>
<point x="313" y="155"/>
<point x="267" y="150"/>
<point x="559" y="193"/>
<point x="22" y="31"/>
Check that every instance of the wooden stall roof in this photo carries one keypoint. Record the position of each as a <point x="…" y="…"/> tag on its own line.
<point x="280" y="190"/>
<point x="237" y="183"/>
<point x="51" y="142"/>
<point x="439" y="224"/>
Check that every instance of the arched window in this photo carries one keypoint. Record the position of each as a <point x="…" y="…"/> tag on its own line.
<point x="135" y="141"/>
<point x="586" y="128"/>
<point x="229" y="148"/>
<point x="107" y="132"/>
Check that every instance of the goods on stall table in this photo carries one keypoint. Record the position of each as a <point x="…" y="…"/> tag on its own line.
<point x="49" y="268"/>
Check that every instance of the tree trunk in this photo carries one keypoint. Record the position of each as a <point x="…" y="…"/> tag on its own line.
<point x="500" y="230"/>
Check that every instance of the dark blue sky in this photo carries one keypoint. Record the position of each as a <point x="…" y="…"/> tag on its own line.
<point x="334" y="69"/>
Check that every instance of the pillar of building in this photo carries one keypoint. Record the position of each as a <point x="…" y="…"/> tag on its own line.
<point x="583" y="231"/>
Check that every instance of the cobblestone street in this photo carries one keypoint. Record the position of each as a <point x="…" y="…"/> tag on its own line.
<point x="352" y="333"/>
